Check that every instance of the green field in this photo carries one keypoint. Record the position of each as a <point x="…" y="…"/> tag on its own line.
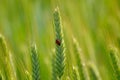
<point x="59" y="39"/>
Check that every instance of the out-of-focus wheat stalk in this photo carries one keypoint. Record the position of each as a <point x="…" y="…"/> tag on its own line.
<point x="5" y="61"/>
<point x="78" y="59"/>
<point x="114" y="62"/>
<point x="93" y="73"/>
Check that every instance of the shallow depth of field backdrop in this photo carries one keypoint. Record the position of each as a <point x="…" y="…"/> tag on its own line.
<point x="94" y="23"/>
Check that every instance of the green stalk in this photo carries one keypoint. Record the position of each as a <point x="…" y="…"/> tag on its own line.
<point x="35" y="64"/>
<point x="59" y="61"/>
<point x="114" y="63"/>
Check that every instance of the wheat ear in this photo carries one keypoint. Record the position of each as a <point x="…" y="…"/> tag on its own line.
<point x="114" y="62"/>
<point x="74" y="73"/>
<point x="5" y="60"/>
<point x="93" y="72"/>
<point x="35" y="64"/>
<point x="59" y="61"/>
<point x="78" y="59"/>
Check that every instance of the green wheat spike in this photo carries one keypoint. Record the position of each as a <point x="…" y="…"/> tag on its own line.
<point x="92" y="72"/>
<point x="114" y="63"/>
<point x="74" y="75"/>
<point x="35" y="64"/>
<point x="59" y="61"/>
<point x="78" y="59"/>
<point x="5" y="60"/>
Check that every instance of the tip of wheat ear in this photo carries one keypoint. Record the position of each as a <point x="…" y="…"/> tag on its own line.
<point x="75" y="75"/>
<point x="3" y="47"/>
<point x="28" y="76"/>
<point x="2" y="39"/>
<point x="33" y="48"/>
<point x="78" y="57"/>
<point x="0" y="35"/>
<point x="93" y="72"/>
<point x="56" y="9"/>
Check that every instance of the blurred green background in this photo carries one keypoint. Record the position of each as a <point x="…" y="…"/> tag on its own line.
<point x="94" y="23"/>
